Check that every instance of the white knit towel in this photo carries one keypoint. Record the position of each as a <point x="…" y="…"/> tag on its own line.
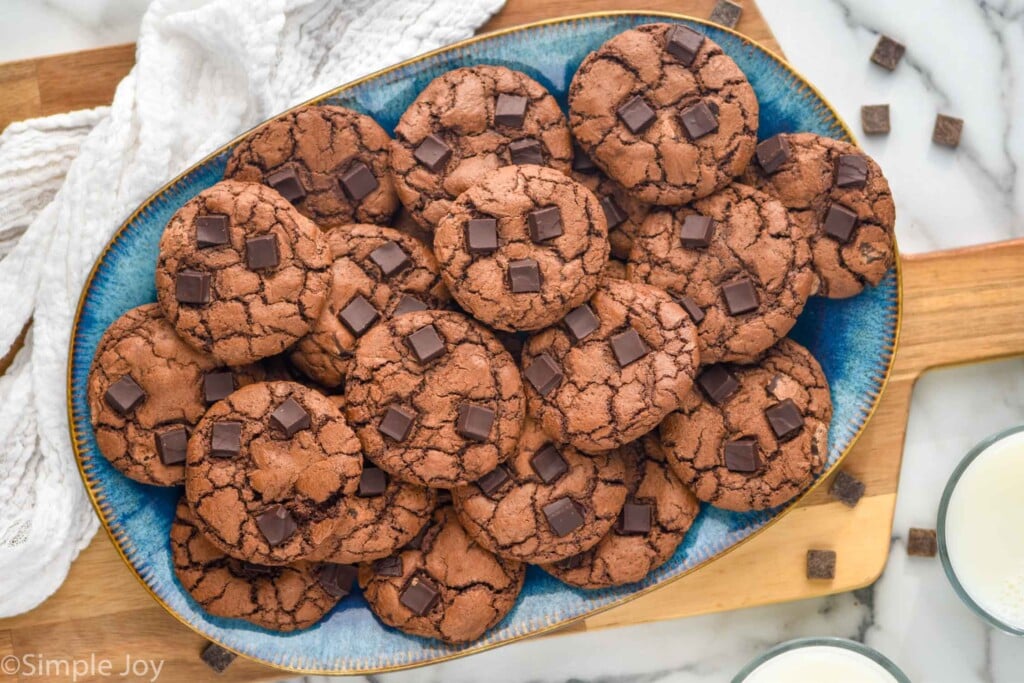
<point x="205" y="71"/>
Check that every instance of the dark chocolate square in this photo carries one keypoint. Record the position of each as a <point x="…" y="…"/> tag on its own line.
<point x="372" y="482"/>
<point x="947" y="130"/>
<point x="840" y="222"/>
<point x="277" y="525"/>
<point x="717" y="383"/>
<point x="581" y="161"/>
<point x="543" y="374"/>
<point x="570" y="563"/>
<point x="526" y="151"/>
<point x="261" y="252"/>
<point x="888" y="53"/>
<point x="628" y="347"/>
<point x="211" y="230"/>
<point x="433" y="153"/>
<point x="482" y="235"/>
<point x="922" y="542"/>
<point x="358" y="181"/>
<point x="740" y="296"/>
<point x="388" y="566"/>
<point x="510" y="110"/>
<point x="493" y="480"/>
<point x="192" y="287"/>
<point x="773" y="153"/>
<point x="741" y="455"/>
<point x="218" y="386"/>
<point x="225" y="439"/>
<point x="524" y="276"/>
<point x="124" y="395"/>
<point x="637" y="115"/>
<point x="390" y="258"/>
<point x="698" y="120"/>
<point x="289" y="418"/>
<point x="397" y="422"/>
<point x="336" y="579"/>
<point x="288" y="184"/>
<point x="172" y="445"/>
<point x="726" y="13"/>
<point x="874" y="119"/>
<point x="359" y="315"/>
<point x="581" y="322"/>
<point x="821" y="564"/>
<point x="851" y="170"/>
<point x="635" y="519"/>
<point x="545" y="223"/>
<point x="474" y="421"/>
<point x="426" y="344"/>
<point x="409" y="304"/>
<point x="217" y="657"/>
<point x="785" y="419"/>
<point x="683" y="43"/>
<point x="696" y="231"/>
<point x="695" y="312"/>
<point x="847" y="489"/>
<point x="549" y="464"/>
<point x="564" y="516"/>
<point x="419" y="596"/>
<point x="614" y="214"/>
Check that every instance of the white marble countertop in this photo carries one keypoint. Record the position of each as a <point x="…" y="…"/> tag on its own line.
<point x="965" y="58"/>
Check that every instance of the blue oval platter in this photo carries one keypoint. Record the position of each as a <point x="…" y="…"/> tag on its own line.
<point x="854" y="339"/>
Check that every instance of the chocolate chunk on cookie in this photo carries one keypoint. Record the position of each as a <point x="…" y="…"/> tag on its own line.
<point x="435" y="398"/>
<point x="449" y="587"/>
<point x="736" y="262"/>
<point x="620" y="379"/>
<point x="552" y="241"/>
<point x="259" y="494"/>
<point x="468" y="122"/>
<point x="623" y="212"/>
<point x="670" y="124"/>
<point x="221" y="301"/>
<point x="760" y="444"/>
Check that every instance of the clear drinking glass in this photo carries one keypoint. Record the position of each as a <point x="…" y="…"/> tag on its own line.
<point x="842" y="643"/>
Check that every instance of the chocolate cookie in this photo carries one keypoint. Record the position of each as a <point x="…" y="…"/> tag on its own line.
<point x="614" y="270"/>
<point x="330" y="162"/>
<point x="547" y="503"/>
<point x="663" y="111"/>
<point x="467" y="122"/>
<point x="753" y="436"/>
<point x="277" y="598"/>
<point x="612" y="369"/>
<point x="658" y="512"/>
<point x="446" y="587"/>
<point x="377" y="272"/>
<point x="147" y="389"/>
<point x="735" y="262"/>
<point x="623" y="212"/>
<point x="241" y="274"/>
<point x="267" y="469"/>
<point x="840" y="201"/>
<point x="435" y="398"/>
<point x="522" y="247"/>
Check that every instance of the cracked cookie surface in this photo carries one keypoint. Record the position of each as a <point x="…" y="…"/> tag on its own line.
<point x="598" y="403"/>
<point x="623" y="212"/>
<point x="248" y="313"/>
<point x="753" y="239"/>
<point x="236" y="483"/>
<point x="510" y="519"/>
<point x="469" y="370"/>
<point x="458" y="108"/>
<point x="567" y="265"/>
<point x="805" y="184"/>
<point x="323" y="146"/>
<point x="284" y="598"/>
<point x="695" y="437"/>
<point x="628" y="554"/>
<point x="662" y="162"/>
<point x="475" y="589"/>
<point x="379" y="265"/>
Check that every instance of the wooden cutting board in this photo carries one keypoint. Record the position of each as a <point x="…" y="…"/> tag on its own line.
<point x="959" y="306"/>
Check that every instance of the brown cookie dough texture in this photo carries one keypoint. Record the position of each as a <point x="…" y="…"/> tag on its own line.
<point x="458" y="108"/>
<point x="468" y="370"/>
<point x="143" y="346"/>
<point x="599" y="404"/>
<point x="695" y="437"/>
<point x="474" y="588"/>
<point x="277" y="598"/>
<point x="358" y="251"/>
<point x="752" y="239"/>
<point x="323" y="146"/>
<point x="627" y="555"/>
<point x="303" y="477"/>
<point x="805" y="184"/>
<point x="661" y="163"/>
<point x="252" y="313"/>
<point x="569" y="264"/>
<point x="623" y="212"/>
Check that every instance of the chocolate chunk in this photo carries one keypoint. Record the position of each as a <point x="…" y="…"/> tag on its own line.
<point x="564" y="516"/>
<point x="124" y="395"/>
<point x="336" y="579"/>
<point x="217" y="658"/>
<point x="726" y="13"/>
<point x="358" y="181"/>
<point x="545" y="223"/>
<point x="581" y="161"/>
<point x="482" y="235"/>
<point x="614" y="214"/>
<point x="922" y="543"/>
<point x="409" y="304"/>
<point x="358" y="315"/>
<point x="426" y="344"/>
<point x="192" y="287"/>
<point x="419" y="596"/>
<point x="773" y="153"/>
<point x="433" y="153"/>
<point x="821" y="564"/>
<point x="635" y="519"/>
<point x="543" y="374"/>
<point x="851" y="171"/>
<point x="785" y="419"/>
<point x="683" y="43"/>
<point x="250" y="571"/>
<point x="699" y="120"/>
<point x="570" y="563"/>
<point x="696" y="231"/>
<point x="444" y="497"/>
<point x="847" y="489"/>
<point x="474" y="421"/>
<point x="172" y="445"/>
<point x="290" y="418"/>
<point x="840" y="222"/>
<point x="628" y="347"/>
<point x="211" y="230"/>
<point x="523" y="276"/>
<point x="388" y="566"/>
<point x="581" y="322"/>
<point x="637" y="115"/>
<point x="549" y="464"/>
<point x="287" y="183"/>
<point x="691" y="307"/>
<point x="874" y="119"/>
<point x="525" y="151"/>
<point x="888" y="53"/>
<point x="390" y="258"/>
<point x="740" y="296"/>
<point x="276" y="525"/>
<point x="372" y="482"/>
<point x="947" y="130"/>
<point x="397" y="422"/>
<point x="218" y="386"/>
<point x="741" y="455"/>
<point x="416" y="542"/>
<point x="510" y="110"/>
<point x="493" y="480"/>
<point x="261" y="252"/>
<point x="225" y="439"/>
<point x="717" y="383"/>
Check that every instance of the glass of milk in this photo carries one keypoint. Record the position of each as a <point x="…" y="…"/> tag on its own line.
<point x="813" y="660"/>
<point x="981" y="530"/>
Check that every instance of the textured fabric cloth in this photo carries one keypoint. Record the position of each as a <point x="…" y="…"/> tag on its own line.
<point x="205" y="72"/>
